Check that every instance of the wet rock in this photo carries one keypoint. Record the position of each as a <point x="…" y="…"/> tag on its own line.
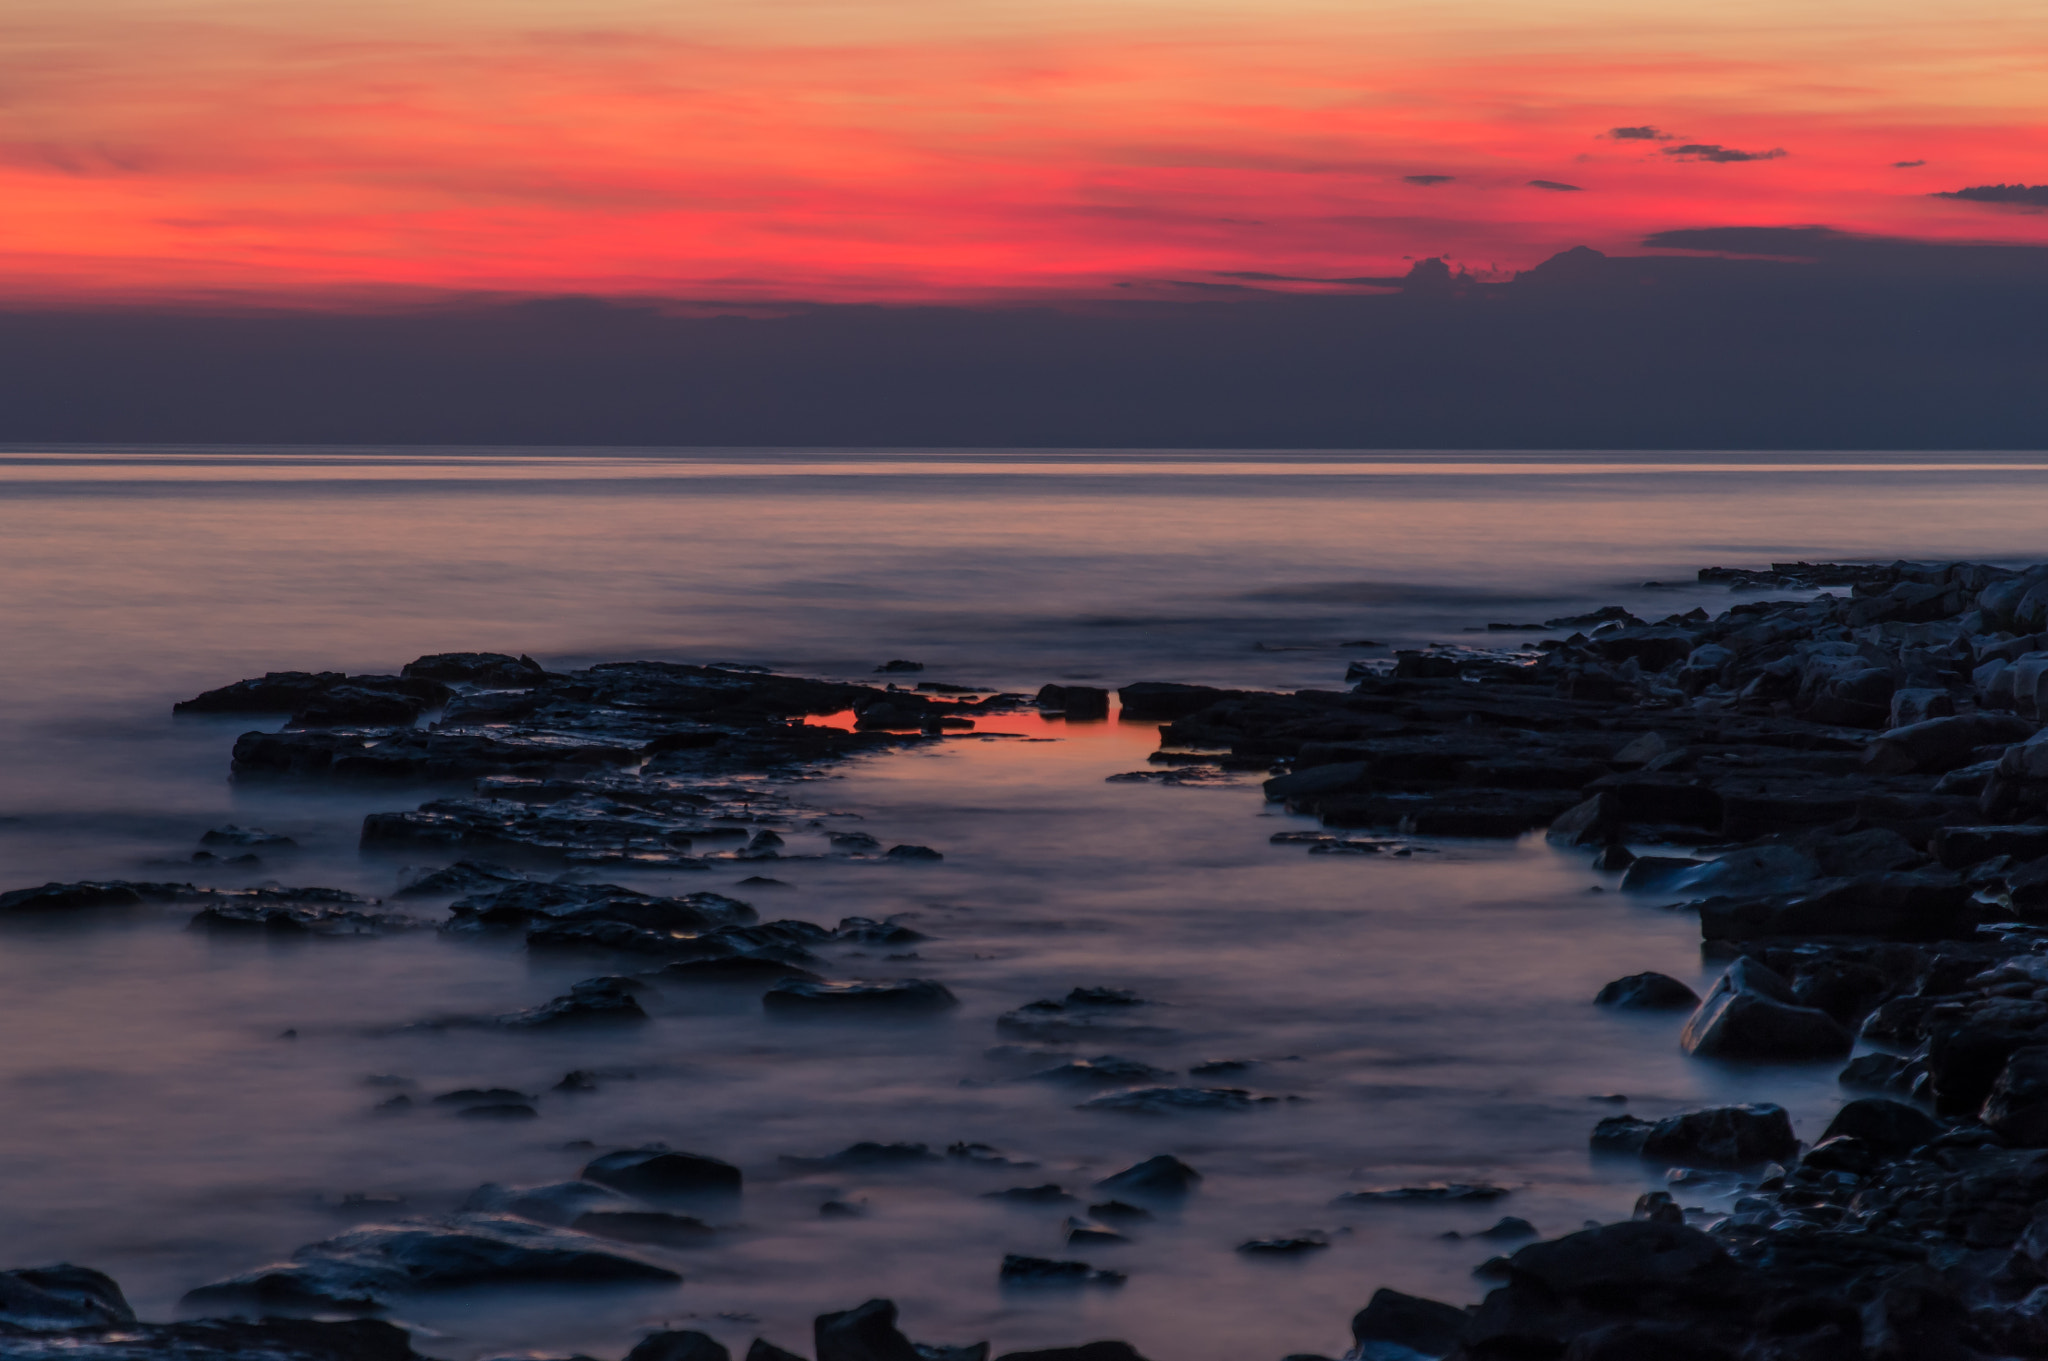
<point x="657" y="1172"/>
<point x="60" y="1296"/>
<point x="1595" y="822"/>
<point x="273" y="1339"/>
<point x="899" y="997"/>
<point x="1087" y="1351"/>
<point x="1177" y="1100"/>
<point x="1021" y="1270"/>
<point x="1721" y="1136"/>
<point x="593" y="1001"/>
<point x="751" y="967"/>
<point x="1160" y="1177"/>
<point x="1961" y="847"/>
<point x="911" y="853"/>
<point x="1647" y="992"/>
<point x="1658" y="873"/>
<point x="231" y="835"/>
<point x="900" y="665"/>
<point x="1751" y="1014"/>
<point x="853" y="843"/>
<point x="1342" y="777"/>
<point x="1508" y="1227"/>
<point x="1284" y="1247"/>
<point x="679" y="1346"/>
<point x="1392" y="1319"/>
<point x="657" y="1227"/>
<point x="1167" y="700"/>
<point x="867" y="931"/>
<point x="560" y="1203"/>
<point x="1432" y="1193"/>
<point x="353" y="706"/>
<point x="1075" y="701"/>
<point x="55" y="897"/>
<point x="493" y="669"/>
<point x="2017" y="1108"/>
<point x="868" y="1333"/>
<point x="274" y="692"/>
<point x="504" y="1110"/>
<point x="1939" y="745"/>
<point x="280" y="915"/>
<point x="1883" y="1072"/>
<point x="367" y="1268"/>
<point x="1082" y="1234"/>
<point x="1117" y="1212"/>
<point x="866" y="1154"/>
<point x="1890" y="1127"/>
<point x="1925" y="905"/>
<point x="464" y="878"/>
<point x="1104" y="1070"/>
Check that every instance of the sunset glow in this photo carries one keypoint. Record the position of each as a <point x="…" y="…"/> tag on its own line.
<point x="903" y="152"/>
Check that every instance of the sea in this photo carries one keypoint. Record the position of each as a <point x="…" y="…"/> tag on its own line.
<point x="178" y="1107"/>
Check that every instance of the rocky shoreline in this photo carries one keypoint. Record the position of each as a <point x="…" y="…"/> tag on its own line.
<point x="1849" y="789"/>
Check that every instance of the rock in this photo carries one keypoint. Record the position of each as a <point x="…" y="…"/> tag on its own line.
<point x="493" y="669"/>
<point x="464" y="878"/>
<point x="277" y="914"/>
<point x="1075" y="701"/>
<point x="593" y="1001"/>
<point x="1961" y="847"/>
<point x="657" y="1172"/>
<point x="231" y="835"/>
<point x="1103" y="1070"/>
<point x="1342" y="777"/>
<point x="1432" y="1193"/>
<point x="1658" y="873"/>
<point x="1939" y="745"/>
<point x="644" y="1226"/>
<point x="911" y="853"/>
<point x="763" y="1350"/>
<point x="2017" y="1108"/>
<point x="273" y="1339"/>
<point x="559" y="1203"/>
<point x="1647" y="992"/>
<point x="1284" y="1247"/>
<point x="1750" y="1014"/>
<point x="867" y="1154"/>
<point x="908" y="996"/>
<point x="1117" y="1212"/>
<point x="1595" y="822"/>
<point x="1082" y="1234"/>
<point x="274" y="692"/>
<point x="1087" y="1351"/>
<point x="1166" y="700"/>
<point x="1177" y="1100"/>
<point x="1161" y="1177"/>
<point x="1508" y="1227"/>
<point x="1891" y="1127"/>
<point x="1925" y="905"/>
<point x="1391" y="1318"/>
<point x="1721" y="1136"/>
<point x="1020" y="1270"/>
<point x="1885" y="1072"/>
<point x="60" y="1296"/>
<point x="868" y="1333"/>
<point x="69" y="897"/>
<point x="900" y="665"/>
<point x="367" y="1268"/>
<point x="679" y="1346"/>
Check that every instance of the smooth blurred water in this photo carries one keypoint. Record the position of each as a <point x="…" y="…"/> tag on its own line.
<point x="1431" y="1010"/>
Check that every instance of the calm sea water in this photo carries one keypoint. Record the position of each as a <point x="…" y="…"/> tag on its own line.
<point x="1431" y="1011"/>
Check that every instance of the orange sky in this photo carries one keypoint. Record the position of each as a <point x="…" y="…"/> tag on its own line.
<point x="310" y="150"/>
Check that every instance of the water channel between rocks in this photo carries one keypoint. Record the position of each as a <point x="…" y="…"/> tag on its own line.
<point x="1421" y="1017"/>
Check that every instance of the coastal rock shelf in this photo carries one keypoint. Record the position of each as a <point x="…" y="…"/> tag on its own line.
<point x="1849" y="789"/>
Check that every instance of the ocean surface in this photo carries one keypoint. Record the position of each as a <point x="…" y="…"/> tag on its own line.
<point x="1430" y="1012"/>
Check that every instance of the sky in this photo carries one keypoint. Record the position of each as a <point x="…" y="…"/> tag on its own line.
<point x="372" y="155"/>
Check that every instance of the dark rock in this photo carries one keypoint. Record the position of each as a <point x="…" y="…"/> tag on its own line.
<point x="279" y="913"/>
<point x="912" y="853"/>
<point x="1284" y="1247"/>
<point x="70" y="897"/>
<point x="1750" y="1014"/>
<point x="506" y="1110"/>
<point x="868" y="1333"/>
<point x="1595" y="822"/>
<point x="273" y="1339"/>
<point x="1961" y="847"/>
<point x="1723" y="1136"/>
<point x="560" y="1203"/>
<point x="1087" y="1351"/>
<point x="656" y="1172"/>
<point x="1891" y="1127"/>
<point x="1020" y="1270"/>
<point x="900" y="665"/>
<point x="867" y="1154"/>
<point x="1939" y="745"/>
<point x="2017" y="1108"/>
<point x="593" y="1001"/>
<point x="1647" y="992"/>
<point x="1883" y="1072"/>
<point x="644" y="1226"/>
<point x="364" y="1269"/>
<point x="763" y="1350"/>
<point x="738" y="968"/>
<point x="1433" y="1193"/>
<point x="1917" y="906"/>
<point x="1166" y="700"/>
<point x="908" y="996"/>
<point x="60" y="1296"/>
<point x="231" y="835"/>
<point x="1160" y="1177"/>
<point x="1421" y="1325"/>
<point x="274" y="692"/>
<point x="679" y="1346"/>
<point x="355" y="706"/>
<point x="1117" y="1212"/>
<point x="1339" y="778"/>
<point x="1177" y="1100"/>
<point x="1508" y="1227"/>
<point x="1103" y="1070"/>
<point x="464" y="878"/>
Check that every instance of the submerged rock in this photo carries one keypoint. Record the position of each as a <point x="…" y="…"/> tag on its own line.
<point x="1433" y="1193"/>
<point x="1103" y="1069"/>
<point x="1647" y="992"/>
<point x="679" y="1346"/>
<point x="658" y="1172"/>
<point x="593" y="1001"/>
<point x="213" y="1339"/>
<point x="866" y="1154"/>
<point x="1020" y="1270"/>
<point x="908" y="996"/>
<point x="1159" y="1177"/>
<point x="366" y="1269"/>
<point x="1177" y="1100"/>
